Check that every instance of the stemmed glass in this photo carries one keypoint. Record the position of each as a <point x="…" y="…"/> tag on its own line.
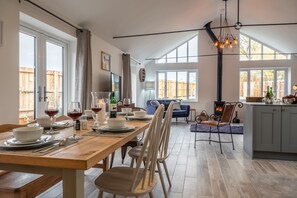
<point x="95" y="106"/>
<point x="51" y="109"/>
<point x="126" y="103"/>
<point x="74" y="112"/>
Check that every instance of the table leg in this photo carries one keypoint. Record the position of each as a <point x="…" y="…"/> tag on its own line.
<point x="73" y="183"/>
<point x="105" y="164"/>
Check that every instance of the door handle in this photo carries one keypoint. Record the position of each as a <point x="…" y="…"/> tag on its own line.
<point x="44" y="94"/>
<point x="39" y="94"/>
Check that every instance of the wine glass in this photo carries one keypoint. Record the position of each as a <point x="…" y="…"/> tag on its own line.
<point x="74" y="112"/>
<point x="95" y="106"/>
<point x="126" y="103"/>
<point x="51" y="109"/>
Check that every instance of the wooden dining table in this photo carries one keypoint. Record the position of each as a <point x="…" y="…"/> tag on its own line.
<point x="70" y="161"/>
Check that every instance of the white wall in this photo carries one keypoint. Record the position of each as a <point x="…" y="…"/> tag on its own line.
<point x="207" y="68"/>
<point x="9" y="60"/>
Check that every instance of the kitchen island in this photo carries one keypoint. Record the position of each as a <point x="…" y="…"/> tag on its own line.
<point x="270" y="131"/>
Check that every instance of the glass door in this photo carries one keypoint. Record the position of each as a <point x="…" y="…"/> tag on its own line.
<point x="41" y="74"/>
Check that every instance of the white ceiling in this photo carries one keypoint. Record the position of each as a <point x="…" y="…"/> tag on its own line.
<point x="108" y="18"/>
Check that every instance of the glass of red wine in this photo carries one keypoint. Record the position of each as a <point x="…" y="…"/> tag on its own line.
<point x="126" y="103"/>
<point x="51" y="109"/>
<point x="74" y="112"/>
<point x="95" y="106"/>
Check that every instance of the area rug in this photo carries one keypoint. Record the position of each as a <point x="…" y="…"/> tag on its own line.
<point x="236" y="129"/>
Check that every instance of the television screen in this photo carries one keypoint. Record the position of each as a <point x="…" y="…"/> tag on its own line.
<point x="116" y="85"/>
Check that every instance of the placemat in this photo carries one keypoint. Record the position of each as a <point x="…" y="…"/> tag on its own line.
<point x="107" y="134"/>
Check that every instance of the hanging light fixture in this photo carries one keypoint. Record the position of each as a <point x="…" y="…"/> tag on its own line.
<point x="225" y="38"/>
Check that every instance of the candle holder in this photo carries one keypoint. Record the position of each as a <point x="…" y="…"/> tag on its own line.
<point x="102" y="101"/>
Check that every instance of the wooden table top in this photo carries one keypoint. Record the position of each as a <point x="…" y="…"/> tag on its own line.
<point x="81" y="155"/>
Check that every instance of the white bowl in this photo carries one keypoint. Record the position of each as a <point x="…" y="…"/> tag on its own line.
<point x="139" y="114"/>
<point x="45" y="121"/>
<point x="27" y="134"/>
<point x="126" y="110"/>
<point x="115" y="123"/>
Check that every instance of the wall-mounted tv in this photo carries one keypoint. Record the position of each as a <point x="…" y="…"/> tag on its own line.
<point x="116" y="85"/>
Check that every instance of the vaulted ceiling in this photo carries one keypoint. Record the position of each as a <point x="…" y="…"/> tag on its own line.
<point x="109" y="18"/>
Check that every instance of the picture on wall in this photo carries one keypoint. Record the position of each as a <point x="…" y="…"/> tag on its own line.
<point x="105" y="61"/>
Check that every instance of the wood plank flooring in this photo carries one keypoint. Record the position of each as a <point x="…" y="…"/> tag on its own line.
<point x="205" y="172"/>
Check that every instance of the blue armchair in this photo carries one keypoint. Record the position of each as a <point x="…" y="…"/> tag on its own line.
<point x="179" y="111"/>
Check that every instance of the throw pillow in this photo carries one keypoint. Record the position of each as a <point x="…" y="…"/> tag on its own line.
<point x="176" y="105"/>
<point x="155" y="103"/>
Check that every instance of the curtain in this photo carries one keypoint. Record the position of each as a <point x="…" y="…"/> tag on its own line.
<point x="83" y="69"/>
<point x="127" y="90"/>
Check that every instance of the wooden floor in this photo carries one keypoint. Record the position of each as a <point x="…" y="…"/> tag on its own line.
<point x="204" y="172"/>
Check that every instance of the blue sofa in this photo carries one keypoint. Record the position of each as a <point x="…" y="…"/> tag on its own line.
<point x="183" y="112"/>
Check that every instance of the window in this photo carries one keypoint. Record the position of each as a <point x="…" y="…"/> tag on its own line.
<point x="250" y="49"/>
<point x="254" y="82"/>
<point x="185" y="53"/>
<point x="177" y="84"/>
<point x="41" y="73"/>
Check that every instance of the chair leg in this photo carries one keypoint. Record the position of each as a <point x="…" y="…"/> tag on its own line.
<point x="151" y="194"/>
<point x="231" y="137"/>
<point x="187" y="120"/>
<point x="167" y="173"/>
<point x="176" y="119"/>
<point x="123" y="152"/>
<point x="195" y="140"/>
<point x="220" y="140"/>
<point x="132" y="162"/>
<point x="209" y="138"/>
<point x="100" y="194"/>
<point x="111" y="159"/>
<point x="161" y="179"/>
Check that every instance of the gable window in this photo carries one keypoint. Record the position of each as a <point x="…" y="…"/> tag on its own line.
<point x="254" y="82"/>
<point x="177" y="84"/>
<point x="185" y="53"/>
<point x="250" y="49"/>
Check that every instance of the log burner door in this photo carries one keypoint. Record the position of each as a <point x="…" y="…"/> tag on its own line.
<point x="218" y="107"/>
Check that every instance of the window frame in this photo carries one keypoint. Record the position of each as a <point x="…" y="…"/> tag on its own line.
<point x="276" y="69"/>
<point x="164" y="57"/>
<point x="188" y="71"/>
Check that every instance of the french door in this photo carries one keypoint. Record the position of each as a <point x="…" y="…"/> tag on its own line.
<point x="41" y="73"/>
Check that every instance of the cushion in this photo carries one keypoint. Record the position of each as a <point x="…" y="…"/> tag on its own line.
<point x="176" y="105"/>
<point x="155" y="103"/>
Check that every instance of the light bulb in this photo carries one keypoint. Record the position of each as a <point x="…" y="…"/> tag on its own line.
<point x="230" y="46"/>
<point x="227" y="41"/>
<point x="216" y="43"/>
<point x="235" y="41"/>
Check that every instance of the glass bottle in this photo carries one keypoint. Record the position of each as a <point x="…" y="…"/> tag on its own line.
<point x="270" y="92"/>
<point x="236" y="119"/>
<point x="113" y="106"/>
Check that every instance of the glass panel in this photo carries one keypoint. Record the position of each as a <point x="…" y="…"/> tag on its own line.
<point x="182" y="85"/>
<point x="54" y="74"/>
<point x="192" y="85"/>
<point x="268" y="53"/>
<point x="161" y="85"/>
<point x="171" y="84"/>
<point x="243" y="86"/>
<point x="280" y="56"/>
<point x="26" y="78"/>
<point x="255" y="50"/>
<point x="280" y="84"/>
<point x="162" y="60"/>
<point x="255" y="83"/>
<point x="182" y="53"/>
<point x="244" y="48"/>
<point x="171" y="57"/>
<point x="193" y="50"/>
<point x="268" y="80"/>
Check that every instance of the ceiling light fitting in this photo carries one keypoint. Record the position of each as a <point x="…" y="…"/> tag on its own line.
<point x="225" y="38"/>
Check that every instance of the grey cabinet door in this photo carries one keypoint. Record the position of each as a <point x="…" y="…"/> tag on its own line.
<point x="289" y="129"/>
<point x="267" y="126"/>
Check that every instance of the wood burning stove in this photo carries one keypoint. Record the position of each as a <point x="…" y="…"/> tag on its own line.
<point x="218" y="107"/>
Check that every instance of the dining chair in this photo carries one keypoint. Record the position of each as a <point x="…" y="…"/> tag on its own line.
<point x="223" y="120"/>
<point x="134" y="153"/>
<point x="127" y="181"/>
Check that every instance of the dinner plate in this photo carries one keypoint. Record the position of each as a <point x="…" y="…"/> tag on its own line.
<point x="13" y="144"/>
<point x="106" y="128"/>
<point x="124" y="113"/>
<point x="147" y="117"/>
<point x="57" y="125"/>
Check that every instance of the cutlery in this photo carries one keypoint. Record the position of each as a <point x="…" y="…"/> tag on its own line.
<point x="60" y="143"/>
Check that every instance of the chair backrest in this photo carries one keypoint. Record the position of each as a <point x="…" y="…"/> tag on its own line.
<point x="228" y="111"/>
<point x="165" y="132"/>
<point x="149" y="150"/>
<point x="7" y="127"/>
